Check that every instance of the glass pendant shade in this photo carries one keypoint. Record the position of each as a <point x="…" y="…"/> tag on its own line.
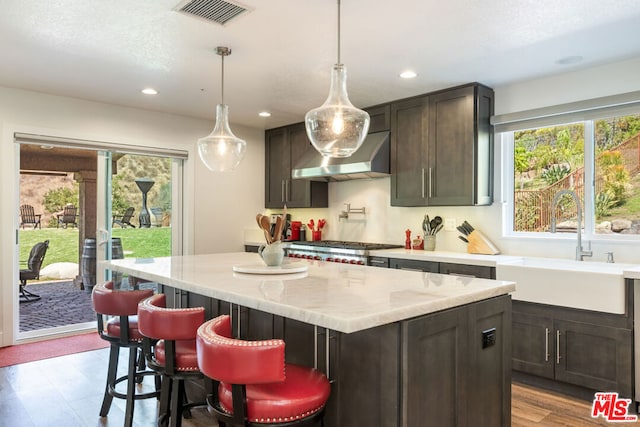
<point x="221" y="150"/>
<point x="337" y="128"/>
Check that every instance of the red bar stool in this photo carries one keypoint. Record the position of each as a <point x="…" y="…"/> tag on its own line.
<point x="174" y="355"/>
<point x="122" y="332"/>
<point x="257" y="387"/>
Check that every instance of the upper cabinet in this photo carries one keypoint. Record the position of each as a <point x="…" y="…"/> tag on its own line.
<point x="442" y="148"/>
<point x="380" y="118"/>
<point x="283" y="148"/>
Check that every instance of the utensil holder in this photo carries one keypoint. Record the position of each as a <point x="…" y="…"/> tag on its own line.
<point x="429" y="243"/>
<point x="272" y="254"/>
<point x="316" y="235"/>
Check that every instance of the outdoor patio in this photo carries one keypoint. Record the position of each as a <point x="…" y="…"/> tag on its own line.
<point x="61" y="304"/>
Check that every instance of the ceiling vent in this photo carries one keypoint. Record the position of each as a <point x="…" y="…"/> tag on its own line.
<point x="218" y="11"/>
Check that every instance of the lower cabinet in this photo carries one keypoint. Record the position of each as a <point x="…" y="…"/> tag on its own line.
<point x="480" y="271"/>
<point x="414" y="265"/>
<point x="575" y="347"/>
<point x="463" y="355"/>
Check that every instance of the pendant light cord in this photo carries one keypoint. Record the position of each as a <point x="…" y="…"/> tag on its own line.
<point x="222" y="84"/>
<point x="339" y="32"/>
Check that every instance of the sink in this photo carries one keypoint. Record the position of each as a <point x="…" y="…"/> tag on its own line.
<point x="594" y="286"/>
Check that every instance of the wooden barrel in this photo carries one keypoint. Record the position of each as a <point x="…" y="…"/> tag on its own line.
<point x="88" y="262"/>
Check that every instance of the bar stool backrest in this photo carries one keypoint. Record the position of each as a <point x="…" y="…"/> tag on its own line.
<point x="234" y="361"/>
<point x="158" y="322"/>
<point x="112" y="302"/>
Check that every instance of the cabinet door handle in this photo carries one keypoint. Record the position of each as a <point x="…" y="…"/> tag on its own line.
<point x="558" y="347"/>
<point x="423" y="183"/>
<point x="546" y="344"/>
<point x="287" y="190"/>
<point x="282" y="190"/>
<point x="430" y="186"/>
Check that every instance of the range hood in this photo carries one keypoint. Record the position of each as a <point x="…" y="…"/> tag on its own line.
<point x="370" y="161"/>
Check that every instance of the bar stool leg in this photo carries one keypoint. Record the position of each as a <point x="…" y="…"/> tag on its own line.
<point x="131" y="384"/>
<point x="165" y="395"/>
<point x="177" y="402"/>
<point x="112" y="371"/>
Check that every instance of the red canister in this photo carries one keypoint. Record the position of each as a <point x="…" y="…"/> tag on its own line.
<point x="295" y="230"/>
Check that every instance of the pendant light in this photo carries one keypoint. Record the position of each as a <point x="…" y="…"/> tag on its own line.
<point x="337" y="128"/>
<point x="221" y="150"/>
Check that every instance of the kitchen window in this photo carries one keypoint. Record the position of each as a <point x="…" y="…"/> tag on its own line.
<point x="597" y="158"/>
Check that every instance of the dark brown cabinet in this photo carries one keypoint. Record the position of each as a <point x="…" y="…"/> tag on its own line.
<point x="576" y="347"/>
<point x="463" y="353"/>
<point x="409" y="121"/>
<point x="479" y="271"/>
<point x="442" y="148"/>
<point x="283" y="148"/>
<point x="414" y="265"/>
<point x="380" y="118"/>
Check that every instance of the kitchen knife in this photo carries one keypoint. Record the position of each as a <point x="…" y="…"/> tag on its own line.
<point x="463" y="239"/>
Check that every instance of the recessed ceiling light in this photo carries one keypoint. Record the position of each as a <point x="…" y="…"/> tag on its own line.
<point x="149" y="91"/>
<point x="569" y="60"/>
<point x="264" y="114"/>
<point x="408" y="74"/>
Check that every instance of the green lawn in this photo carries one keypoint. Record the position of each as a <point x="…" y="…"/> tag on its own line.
<point x="63" y="243"/>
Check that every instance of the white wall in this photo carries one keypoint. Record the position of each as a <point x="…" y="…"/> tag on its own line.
<point x="219" y="207"/>
<point x="387" y="224"/>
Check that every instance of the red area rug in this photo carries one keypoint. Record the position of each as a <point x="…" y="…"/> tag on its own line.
<point x="30" y="352"/>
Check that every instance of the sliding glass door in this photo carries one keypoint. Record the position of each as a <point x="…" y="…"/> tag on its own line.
<point x="139" y="207"/>
<point x="127" y="202"/>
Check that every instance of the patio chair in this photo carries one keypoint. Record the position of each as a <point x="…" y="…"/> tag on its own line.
<point x="28" y="216"/>
<point x="124" y="219"/>
<point x="32" y="272"/>
<point x="68" y="216"/>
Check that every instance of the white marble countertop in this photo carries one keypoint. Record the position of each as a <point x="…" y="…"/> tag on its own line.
<point x="632" y="273"/>
<point x="343" y="297"/>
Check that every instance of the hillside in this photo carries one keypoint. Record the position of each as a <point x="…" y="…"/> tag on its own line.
<point x="126" y="193"/>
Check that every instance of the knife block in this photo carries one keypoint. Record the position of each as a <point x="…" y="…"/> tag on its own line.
<point x="480" y="244"/>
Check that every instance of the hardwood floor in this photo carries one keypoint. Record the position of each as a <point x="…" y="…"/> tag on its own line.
<point x="534" y="407"/>
<point x="67" y="391"/>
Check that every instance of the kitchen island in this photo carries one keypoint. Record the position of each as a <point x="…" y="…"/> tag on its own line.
<point x="401" y="348"/>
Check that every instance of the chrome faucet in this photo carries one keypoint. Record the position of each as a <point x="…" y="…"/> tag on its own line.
<point x="580" y="253"/>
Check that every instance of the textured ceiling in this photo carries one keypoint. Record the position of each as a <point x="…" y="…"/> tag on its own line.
<point x="283" y="49"/>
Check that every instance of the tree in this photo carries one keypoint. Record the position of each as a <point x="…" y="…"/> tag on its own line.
<point x="118" y="200"/>
<point x="522" y="161"/>
<point x="56" y="199"/>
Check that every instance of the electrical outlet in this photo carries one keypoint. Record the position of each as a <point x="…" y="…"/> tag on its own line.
<point x="449" y="224"/>
<point x="488" y="338"/>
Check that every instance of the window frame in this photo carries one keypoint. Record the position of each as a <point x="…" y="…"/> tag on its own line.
<point x="507" y="145"/>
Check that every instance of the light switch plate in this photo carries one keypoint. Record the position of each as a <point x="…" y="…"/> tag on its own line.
<point x="449" y="224"/>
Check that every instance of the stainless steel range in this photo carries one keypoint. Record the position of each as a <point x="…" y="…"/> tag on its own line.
<point x="335" y="251"/>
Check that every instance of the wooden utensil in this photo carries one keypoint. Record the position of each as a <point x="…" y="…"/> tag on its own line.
<point x="266" y="226"/>
<point x="278" y="231"/>
<point x="266" y="234"/>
